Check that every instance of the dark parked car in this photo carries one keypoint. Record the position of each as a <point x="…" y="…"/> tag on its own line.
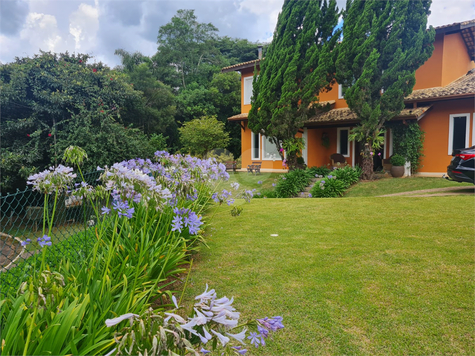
<point x="462" y="166"/>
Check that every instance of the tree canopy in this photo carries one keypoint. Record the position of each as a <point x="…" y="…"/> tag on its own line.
<point x="384" y="42"/>
<point x="200" y="136"/>
<point x="299" y="63"/>
<point x="52" y="101"/>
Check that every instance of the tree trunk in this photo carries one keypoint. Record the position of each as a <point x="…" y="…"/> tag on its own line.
<point x="367" y="168"/>
<point x="292" y="161"/>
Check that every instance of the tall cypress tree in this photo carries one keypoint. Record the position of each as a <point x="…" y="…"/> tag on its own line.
<point x="298" y="65"/>
<point x="384" y="42"/>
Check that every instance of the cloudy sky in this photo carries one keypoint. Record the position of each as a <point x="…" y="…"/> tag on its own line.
<point x="99" y="27"/>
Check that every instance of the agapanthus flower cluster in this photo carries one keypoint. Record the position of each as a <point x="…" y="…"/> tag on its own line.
<point x="248" y="195"/>
<point x="186" y="218"/>
<point x="215" y="317"/>
<point x="52" y="179"/>
<point x="127" y="183"/>
<point x="222" y="197"/>
<point x="42" y="241"/>
<point x="322" y="185"/>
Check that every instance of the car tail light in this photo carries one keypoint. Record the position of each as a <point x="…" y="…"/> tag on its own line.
<point x="458" y="172"/>
<point x="465" y="156"/>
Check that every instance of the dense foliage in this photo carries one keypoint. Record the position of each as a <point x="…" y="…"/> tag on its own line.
<point x="297" y="66"/>
<point x="336" y="183"/>
<point x="52" y="100"/>
<point x="408" y="142"/>
<point x="384" y="42"/>
<point x="292" y="183"/>
<point x="200" y="136"/>
<point x="147" y="216"/>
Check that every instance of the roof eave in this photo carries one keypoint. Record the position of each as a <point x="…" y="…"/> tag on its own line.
<point x="242" y="66"/>
<point x="438" y="98"/>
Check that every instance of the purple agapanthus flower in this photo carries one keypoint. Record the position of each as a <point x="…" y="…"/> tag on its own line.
<point x="26" y="242"/>
<point x="177" y="223"/>
<point x="105" y="210"/>
<point x="123" y="208"/>
<point x="254" y="337"/>
<point x="43" y="241"/>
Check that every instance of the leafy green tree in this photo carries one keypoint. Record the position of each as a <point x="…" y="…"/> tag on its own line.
<point x="298" y="65"/>
<point x="186" y="53"/>
<point x="43" y="98"/>
<point x="236" y="50"/>
<point x="384" y="42"/>
<point x="225" y="91"/>
<point x="155" y="113"/>
<point x="201" y="136"/>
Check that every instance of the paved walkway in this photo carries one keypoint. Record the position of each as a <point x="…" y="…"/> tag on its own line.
<point x="436" y="192"/>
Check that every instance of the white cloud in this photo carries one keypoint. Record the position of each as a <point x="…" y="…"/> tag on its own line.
<point x="268" y="10"/>
<point x="41" y="31"/>
<point x="83" y="26"/>
<point x="445" y="12"/>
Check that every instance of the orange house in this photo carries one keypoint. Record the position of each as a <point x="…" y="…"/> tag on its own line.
<point x="442" y="103"/>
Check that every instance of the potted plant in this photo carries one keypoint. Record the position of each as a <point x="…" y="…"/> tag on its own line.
<point x="398" y="162"/>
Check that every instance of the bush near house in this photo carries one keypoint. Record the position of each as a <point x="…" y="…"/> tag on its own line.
<point x="335" y="184"/>
<point x="292" y="183"/>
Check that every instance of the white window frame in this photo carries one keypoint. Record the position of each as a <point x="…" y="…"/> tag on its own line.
<point x="451" y="130"/>
<point x="340" y="92"/>
<point x="246" y="99"/>
<point x="473" y="130"/>
<point x="252" y="147"/>
<point x="391" y="143"/>
<point x="339" y="129"/>
<point x="264" y="139"/>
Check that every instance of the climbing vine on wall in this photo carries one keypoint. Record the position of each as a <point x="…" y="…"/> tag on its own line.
<point x="408" y="141"/>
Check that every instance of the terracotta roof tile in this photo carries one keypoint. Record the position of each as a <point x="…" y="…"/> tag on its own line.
<point x="462" y="24"/>
<point x="240" y="66"/>
<point x="463" y="86"/>
<point x="345" y="114"/>
<point x="238" y="117"/>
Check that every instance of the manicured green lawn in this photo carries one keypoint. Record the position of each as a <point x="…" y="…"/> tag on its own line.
<point x="251" y="181"/>
<point x="367" y="276"/>
<point x="397" y="185"/>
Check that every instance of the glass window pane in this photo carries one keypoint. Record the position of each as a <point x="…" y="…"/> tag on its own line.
<point x="459" y="133"/>
<point x="255" y="146"/>
<point x="344" y="142"/>
<point x="270" y="150"/>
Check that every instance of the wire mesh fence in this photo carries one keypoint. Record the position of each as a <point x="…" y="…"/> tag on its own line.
<point x="21" y="218"/>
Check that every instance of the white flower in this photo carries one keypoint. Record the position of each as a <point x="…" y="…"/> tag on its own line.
<point x="174" y="301"/>
<point x="189" y="326"/>
<point x="200" y="318"/>
<point x="239" y="337"/>
<point x="115" y="321"/>
<point x="227" y="322"/>
<point x="224" y="339"/>
<point x="206" y="295"/>
<point x="176" y="317"/>
<point x="221" y="304"/>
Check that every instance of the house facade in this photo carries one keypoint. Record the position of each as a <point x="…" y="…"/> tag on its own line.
<point x="442" y="102"/>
